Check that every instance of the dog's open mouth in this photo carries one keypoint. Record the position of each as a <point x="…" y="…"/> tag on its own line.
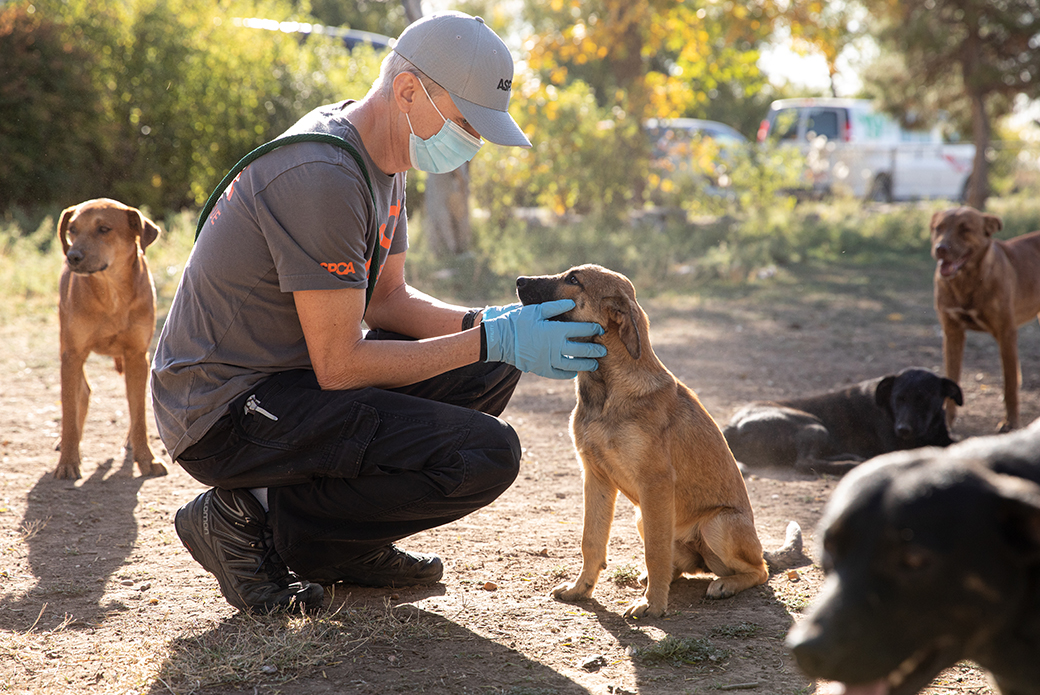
<point x="948" y="267"/>
<point x="908" y="678"/>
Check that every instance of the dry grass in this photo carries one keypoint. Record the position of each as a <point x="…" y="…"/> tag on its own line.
<point x="277" y="648"/>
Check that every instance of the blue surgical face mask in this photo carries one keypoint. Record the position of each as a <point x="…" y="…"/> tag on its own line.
<point x="447" y="150"/>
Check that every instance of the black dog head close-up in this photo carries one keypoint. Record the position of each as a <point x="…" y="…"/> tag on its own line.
<point x="931" y="556"/>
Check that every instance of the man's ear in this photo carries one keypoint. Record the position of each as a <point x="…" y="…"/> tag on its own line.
<point x="405" y="87"/>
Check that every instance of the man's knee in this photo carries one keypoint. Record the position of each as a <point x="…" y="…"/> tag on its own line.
<point x="493" y="457"/>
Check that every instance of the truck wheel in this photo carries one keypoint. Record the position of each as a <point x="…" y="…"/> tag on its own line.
<point x="881" y="190"/>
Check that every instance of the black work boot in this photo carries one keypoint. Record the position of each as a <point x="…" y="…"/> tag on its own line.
<point x="226" y="532"/>
<point x="391" y="566"/>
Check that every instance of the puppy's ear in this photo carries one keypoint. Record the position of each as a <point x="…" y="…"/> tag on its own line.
<point x="142" y="226"/>
<point x="624" y="312"/>
<point x="991" y="224"/>
<point x="883" y="393"/>
<point x="951" y="390"/>
<point x="63" y="227"/>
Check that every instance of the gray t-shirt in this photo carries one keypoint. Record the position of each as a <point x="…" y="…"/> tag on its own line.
<point x="298" y="218"/>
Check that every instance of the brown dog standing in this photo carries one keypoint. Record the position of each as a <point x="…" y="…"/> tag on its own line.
<point x="984" y="284"/>
<point x="107" y="306"/>
<point x="639" y="430"/>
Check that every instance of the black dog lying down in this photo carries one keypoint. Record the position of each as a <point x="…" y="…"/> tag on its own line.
<point x="833" y="432"/>
<point x="931" y="556"/>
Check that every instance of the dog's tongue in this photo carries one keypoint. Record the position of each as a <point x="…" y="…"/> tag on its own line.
<point x="948" y="268"/>
<point x="833" y="688"/>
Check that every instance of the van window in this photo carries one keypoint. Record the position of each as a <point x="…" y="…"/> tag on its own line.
<point x="785" y="125"/>
<point x="823" y="122"/>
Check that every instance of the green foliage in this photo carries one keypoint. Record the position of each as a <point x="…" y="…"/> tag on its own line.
<point x="30" y="262"/>
<point x="681" y="252"/>
<point x="662" y="255"/>
<point x="179" y="91"/>
<point x="47" y="103"/>
<point x="382" y="17"/>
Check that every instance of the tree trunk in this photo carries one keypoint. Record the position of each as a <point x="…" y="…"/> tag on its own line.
<point x="412" y="10"/>
<point x="446" y="206"/>
<point x="971" y="59"/>
<point x="446" y="219"/>
<point x="978" y="188"/>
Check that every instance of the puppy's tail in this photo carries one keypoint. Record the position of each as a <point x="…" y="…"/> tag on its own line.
<point x="791" y="554"/>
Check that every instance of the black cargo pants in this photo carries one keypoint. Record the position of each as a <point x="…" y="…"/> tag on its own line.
<point x="350" y="471"/>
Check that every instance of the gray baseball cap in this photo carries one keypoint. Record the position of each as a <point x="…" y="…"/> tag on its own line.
<point x="462" y="54"/>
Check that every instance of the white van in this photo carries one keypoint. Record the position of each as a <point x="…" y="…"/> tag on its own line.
<point x="850" y="145"/>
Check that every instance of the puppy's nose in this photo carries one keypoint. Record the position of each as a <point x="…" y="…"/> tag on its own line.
<point x="903" y="430"/>
<point x="807" y="643"/>
<point x="521" y="282"/>
<point x="75" y="256"/>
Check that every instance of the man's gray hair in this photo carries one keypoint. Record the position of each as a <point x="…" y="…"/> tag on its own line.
<point x="392" y="66"/>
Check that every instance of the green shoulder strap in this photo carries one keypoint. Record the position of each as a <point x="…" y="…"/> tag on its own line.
<point x="288" y="140"/>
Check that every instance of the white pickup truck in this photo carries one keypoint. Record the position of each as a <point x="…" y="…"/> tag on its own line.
<point x="850" y="146"/>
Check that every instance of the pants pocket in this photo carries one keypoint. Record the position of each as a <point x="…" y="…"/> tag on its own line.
<point x="312" y="433"/>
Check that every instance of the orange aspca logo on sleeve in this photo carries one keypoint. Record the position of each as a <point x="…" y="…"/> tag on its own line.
<point x="339" y="268"/>
<point x="386" y="238"/>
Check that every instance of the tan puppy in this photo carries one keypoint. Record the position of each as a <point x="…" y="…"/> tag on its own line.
<point x="984" y="284"/>
<point x="639" y="430"/>
<point x="107" y="306"/>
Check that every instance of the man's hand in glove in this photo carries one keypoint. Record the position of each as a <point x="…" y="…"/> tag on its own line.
<point x="528" y="340"/>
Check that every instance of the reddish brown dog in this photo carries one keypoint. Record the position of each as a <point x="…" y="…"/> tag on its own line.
<point x="107" y="306"/>
<point x="639" y="430"/>
<point x="984" y="284"/>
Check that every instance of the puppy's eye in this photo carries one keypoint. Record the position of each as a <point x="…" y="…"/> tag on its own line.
<point x="572" y="279"/>
<point x="104" y="230"/>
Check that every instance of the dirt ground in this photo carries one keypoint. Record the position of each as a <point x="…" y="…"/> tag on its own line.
<point x="99" y="594"/>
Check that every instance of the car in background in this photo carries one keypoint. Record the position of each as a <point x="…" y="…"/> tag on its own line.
<point x="684" y="146"/>
<point x="851" y="145"/>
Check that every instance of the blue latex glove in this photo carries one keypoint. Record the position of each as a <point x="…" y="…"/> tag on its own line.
<point x="493" y="312"/>
<point x="526" y="339"/>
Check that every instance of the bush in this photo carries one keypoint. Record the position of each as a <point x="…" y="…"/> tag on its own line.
<point x="176" y="92"/>
<point x="52" y="129"/>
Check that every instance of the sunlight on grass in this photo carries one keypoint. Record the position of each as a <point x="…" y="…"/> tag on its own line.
<point x="278" y="647"/>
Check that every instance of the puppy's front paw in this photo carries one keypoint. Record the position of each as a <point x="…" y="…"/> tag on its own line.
<point x="723" y="587"/>
<point x="155" y="468"/>
<point x="643" y="609"/>
<point x="67" y="470"/>
<point x="572" y="591"/>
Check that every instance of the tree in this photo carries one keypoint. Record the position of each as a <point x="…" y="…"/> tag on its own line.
<point x="994" y="46"/>
<point x="653" y="58"/>
<point x="824" y="27"/>
<point x="380" y="16"/>
<point x="49" y="114"/>
<point x="152" y="101"/>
